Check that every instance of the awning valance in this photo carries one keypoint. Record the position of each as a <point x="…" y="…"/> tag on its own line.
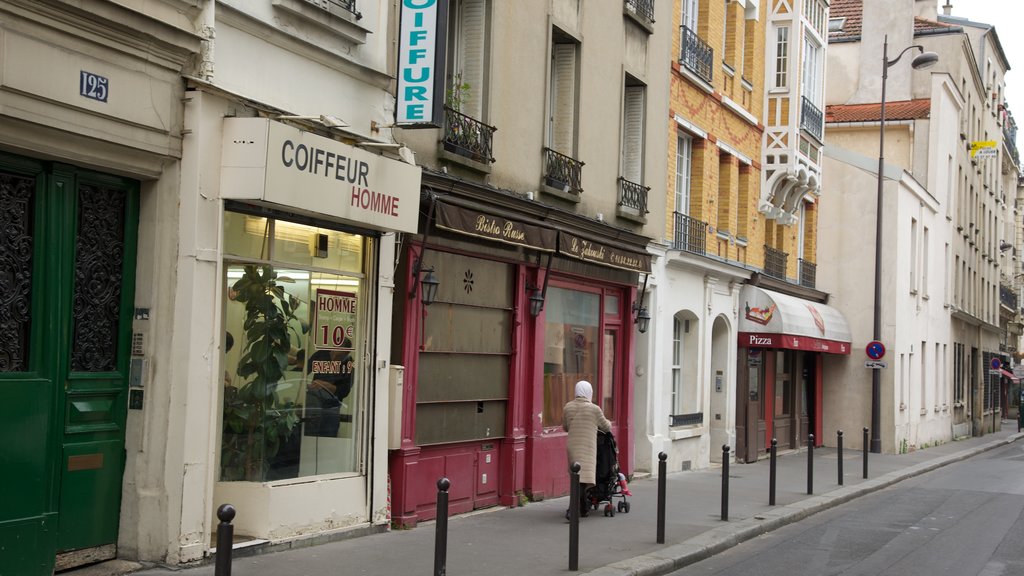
<point x="775" y="320"/>
<point x="1008" y="374"/>
<point x="603" y="254"/>
<point x="475" y="222"/>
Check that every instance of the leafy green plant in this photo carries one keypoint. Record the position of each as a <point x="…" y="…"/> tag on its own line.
<point x="256" y="421"/>
<point x="457" y="93"/>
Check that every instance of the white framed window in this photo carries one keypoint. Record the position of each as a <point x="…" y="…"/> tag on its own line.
<point x="690" y="8"/>
<point x="725" y="31"/>
<point x="812" y="81"/>
<point x="913" y="256"/>
<point x="684" y="165"/>
<point x="677" y="366"/>
<point x="781" y="57"/>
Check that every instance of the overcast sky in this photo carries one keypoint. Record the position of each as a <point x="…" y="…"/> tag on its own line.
<point x="1008" y="17"/>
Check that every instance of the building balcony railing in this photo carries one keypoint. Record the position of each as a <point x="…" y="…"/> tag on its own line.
<point x="633" y="196"/>
<point x="642" y="8"/>
<point x="695" y="54"/>
<point x="808" y="272"/>
<point x="693" y="419"/>
<point x="1008" y="296"/>
<point x="468" y="137"/>
<point x="811" y="118"/>
<point x="563" y="172"/>
<point x="346" y="5"/>
<point x="690" y="234"/>
<point x="1010" y="139"/>
<point x="775" y="262"/>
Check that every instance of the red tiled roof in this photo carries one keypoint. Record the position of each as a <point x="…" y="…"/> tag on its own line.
<point x="853" y="12"/>
<point x="904" y="110"/>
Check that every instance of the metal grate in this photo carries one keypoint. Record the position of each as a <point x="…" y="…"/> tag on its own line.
<point x="808" y="271"/>
<point x="468" y="137"/>
<point x="563" y="172"/>
<point x="332" y="5"/>
<point x="810" y="118"/>
<point x="775" y="262"/>
<point x="690" y="234"/>
<point x="642" y="8"/>
<point x="633" y="195"/>
<point x="686" y="419"/>
<point x="695" y="54"/>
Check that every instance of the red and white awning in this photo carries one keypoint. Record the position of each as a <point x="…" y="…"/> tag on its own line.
<point x="774" y="320"/>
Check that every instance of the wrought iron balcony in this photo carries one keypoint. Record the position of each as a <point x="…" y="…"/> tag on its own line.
<point x="1008" y="296"/>
<point x="690" y="234"/>
<point x="642" y="8"/>
<point x="468" y="137"/>
<point x="811" y="118"/>
<point x="775" y="262"/>
<point x="563" y="172"/>
<point x="346" y="5"/>
<point x="1010" y="138"/>
<point x="633" y="195"/>
<point x="808" y="272"/>
<point x="695" y="54"/>
<point x="686" y="419"/>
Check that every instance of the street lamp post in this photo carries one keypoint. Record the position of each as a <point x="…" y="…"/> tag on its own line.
<point x="920" y="62"/>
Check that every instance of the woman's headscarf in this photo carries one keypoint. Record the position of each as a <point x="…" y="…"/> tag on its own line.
<point x="584" y="390"/>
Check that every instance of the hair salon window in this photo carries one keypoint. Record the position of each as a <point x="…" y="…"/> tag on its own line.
<point x="295" y="398"/>
<point x="580" y="343"/>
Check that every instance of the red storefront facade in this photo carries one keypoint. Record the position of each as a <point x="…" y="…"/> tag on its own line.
<point x="783" y="342"/>
<point x="484" y="378"/>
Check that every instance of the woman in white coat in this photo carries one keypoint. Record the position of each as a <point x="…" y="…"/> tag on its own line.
<point x="581" y="418"/>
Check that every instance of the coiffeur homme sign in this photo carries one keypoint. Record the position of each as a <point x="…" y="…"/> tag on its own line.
<point x="278" y="164"/>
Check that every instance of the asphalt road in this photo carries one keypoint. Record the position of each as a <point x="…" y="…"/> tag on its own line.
<point x="961" y="520"/>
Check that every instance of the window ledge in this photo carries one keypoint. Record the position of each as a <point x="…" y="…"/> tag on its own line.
<point x="641" y="21"/>
<point x="682" y="432"/>
<point x="631" y="215"/>
<point x="335" y="20"/>
<point x="558" y="193"/>
<point x="482" y="167"/>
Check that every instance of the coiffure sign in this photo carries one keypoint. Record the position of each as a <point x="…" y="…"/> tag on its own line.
<point x="278" y="164"/>
<point x="420" y="94"/>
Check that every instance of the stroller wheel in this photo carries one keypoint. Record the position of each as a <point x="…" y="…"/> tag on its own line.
<point x="622" y="506"/>
<point x="626" y="506"/>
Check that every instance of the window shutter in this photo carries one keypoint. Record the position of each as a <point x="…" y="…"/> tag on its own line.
<point x="633" y="134"/>
<point x="563" y="98"/>
<point x="472" y="53"/>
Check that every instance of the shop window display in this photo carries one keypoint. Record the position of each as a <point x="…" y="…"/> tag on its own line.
<point x="294" y="395"/>
<point x="571" y="340"/>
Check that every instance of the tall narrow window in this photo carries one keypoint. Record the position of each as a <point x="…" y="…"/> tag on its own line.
<point x="633" y="130"/>
<point x="562" y="123"/>
<point x="812" y="82"/>
<point x="690" y="8"/>
<point x="913" y="255"/>
<point x="924" y="263"/>
<point x="725" y="33"/>
<point x="677" y="368"/>
<point x="684" y="158"/>
<point x="468" y="48"/>
<point x="782" y="57"/>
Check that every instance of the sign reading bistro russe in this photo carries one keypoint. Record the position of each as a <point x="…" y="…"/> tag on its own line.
<point x="598" y="253"/>
<point x="482" y="225"/>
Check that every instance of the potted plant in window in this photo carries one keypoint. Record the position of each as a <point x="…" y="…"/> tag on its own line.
<point x="256" y="421"/>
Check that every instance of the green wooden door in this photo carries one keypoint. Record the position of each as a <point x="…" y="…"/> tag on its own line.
<point x="67" y="261"/>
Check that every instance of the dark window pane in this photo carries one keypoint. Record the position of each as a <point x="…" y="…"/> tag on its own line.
<point x="17" y="197"/>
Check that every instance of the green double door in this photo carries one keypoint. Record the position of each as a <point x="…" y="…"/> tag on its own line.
<point x="67" y="265"/>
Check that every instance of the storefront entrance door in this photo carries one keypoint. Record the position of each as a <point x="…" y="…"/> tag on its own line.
<point x="67" y="260"/>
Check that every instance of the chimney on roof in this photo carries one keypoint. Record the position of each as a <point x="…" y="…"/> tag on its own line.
<point x="947" y="8"/>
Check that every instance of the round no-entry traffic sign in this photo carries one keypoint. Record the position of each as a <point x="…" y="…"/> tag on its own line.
<point x="875" y="350"/>
<point x="996" y="363"/>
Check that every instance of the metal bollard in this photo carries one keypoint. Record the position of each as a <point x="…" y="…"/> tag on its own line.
<point x="810" y="463"/>
<point x="771" y="472"/>
<point x="574" y="516"/>
<point x="441" y="534"/>
<point x="839" y="449"/>
<point x="725" y="482"/>
<point x="662" y="472"/>
<point x="865" y="452"/>
<point x="225" y="539"/>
